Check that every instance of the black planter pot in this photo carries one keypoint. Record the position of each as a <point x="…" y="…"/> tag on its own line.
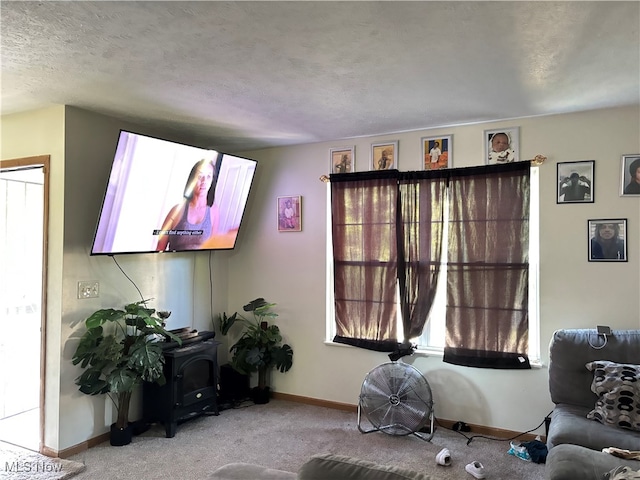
<point x="260" y="395"/>
<point x="120" y="436"/>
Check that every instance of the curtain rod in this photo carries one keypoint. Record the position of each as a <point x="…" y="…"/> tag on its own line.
<point x="535" y="162"/>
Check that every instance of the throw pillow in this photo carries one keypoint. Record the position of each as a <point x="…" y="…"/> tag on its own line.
<point x="617" y="386"/>
<point x="622" y="473"/>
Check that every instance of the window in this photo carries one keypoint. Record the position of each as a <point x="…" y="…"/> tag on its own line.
<point x="372" y="268"/>
<point x="432" y="339"/>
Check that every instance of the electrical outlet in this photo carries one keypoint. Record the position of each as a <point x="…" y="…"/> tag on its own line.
<point x="604" y="330"/>
<point x="88" y="290"/>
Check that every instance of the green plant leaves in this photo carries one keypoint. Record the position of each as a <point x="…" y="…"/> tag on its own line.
<point x="259" y="346"/>
<point x="139" y="310"/>
<point x="255" y="304"/>
<point x="88" y="343"/>
<point x="115" y="360"/>
<point x="122" y="380"/>
<point x="255" y="357"/>
<point x="90" y="383"/>
<point x="283" y="358"/>
<point x="260" y="308"/>
<point x="99" y="317"/>
<point x="227" y="322"/>
<point x="146" y="357"/>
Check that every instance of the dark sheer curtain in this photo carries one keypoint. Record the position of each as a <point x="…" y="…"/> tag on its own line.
<point x="420" y="246"/>
<point x="363" y="207"/>
<point x="387" y="229"/>
<point x="488" y="272"/>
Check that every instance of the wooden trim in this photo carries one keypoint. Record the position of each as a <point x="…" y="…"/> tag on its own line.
<point x="81" y="447"/>
<point x="448" y="424"/>
<point x="346" y="407"/>
<point x="25" y="161"/>
<point x="45" y="162"/>
<point x="490" y="431"/>
<point x="44" y="304"/>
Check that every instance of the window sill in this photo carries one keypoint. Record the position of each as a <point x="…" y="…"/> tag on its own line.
<point x="433" y="352"/>
<point x="439" y="352"/>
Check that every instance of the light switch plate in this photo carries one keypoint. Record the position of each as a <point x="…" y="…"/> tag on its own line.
<point x="88" y="290"/>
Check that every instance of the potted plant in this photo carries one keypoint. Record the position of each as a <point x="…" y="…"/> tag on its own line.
<point x="260" y="347"/>
<point x="120" y="350"/>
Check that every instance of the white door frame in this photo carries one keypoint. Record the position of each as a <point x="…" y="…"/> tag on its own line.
<point x="44" y="162"/>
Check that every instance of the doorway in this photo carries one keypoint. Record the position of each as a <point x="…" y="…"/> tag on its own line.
<point x="23" y="215"/>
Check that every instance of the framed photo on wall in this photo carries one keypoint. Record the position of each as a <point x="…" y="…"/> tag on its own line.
<point x="501" y="145"/>
<point x="384" y="155"/>
<point x="575" y="182"/>
<point x="608" y="240"/>
<point x="290" y="213"/>
<point x="437" y="152"/>
<point x="630" y="175"/>
<point x="342" y="159"/>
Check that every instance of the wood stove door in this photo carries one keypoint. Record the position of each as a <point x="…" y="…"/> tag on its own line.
<point x="196" y="381"/>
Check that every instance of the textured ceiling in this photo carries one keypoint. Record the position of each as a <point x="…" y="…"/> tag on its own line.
<point x="242" y="75"/>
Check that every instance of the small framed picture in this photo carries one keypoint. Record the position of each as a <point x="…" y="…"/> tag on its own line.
<point x="342" y="159"/>
<point x="437" y="152"/>
<point x="384" y="155"/>
<point x="608" y="240"/>
<point x="502" y="145"/>
<point x="575" y="182"/>
<point x="630" y="175"/>
<point x="290" y="213"/>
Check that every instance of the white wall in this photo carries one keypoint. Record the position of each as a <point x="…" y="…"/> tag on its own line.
<point x="177" y="282"/>
<point x="289" y="268"/>
<point x="42" y="133"/>
<point x="81" y="145"/>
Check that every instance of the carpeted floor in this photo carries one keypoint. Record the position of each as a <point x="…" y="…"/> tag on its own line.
<point x="283" y="435"/>
<point x="17" y="463"/>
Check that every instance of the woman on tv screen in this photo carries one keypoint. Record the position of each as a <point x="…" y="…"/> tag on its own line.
<point x="192" y="221"/>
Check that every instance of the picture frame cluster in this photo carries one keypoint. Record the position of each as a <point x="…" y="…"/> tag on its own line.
<point x="606" y="237"/>
<point x="501" y="145"/>
<point x="575" y="180"/>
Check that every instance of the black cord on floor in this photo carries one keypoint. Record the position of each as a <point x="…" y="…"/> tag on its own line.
<point x="497" y="439"/>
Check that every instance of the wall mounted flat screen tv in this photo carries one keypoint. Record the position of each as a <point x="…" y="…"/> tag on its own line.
<point x="164" y="196"/>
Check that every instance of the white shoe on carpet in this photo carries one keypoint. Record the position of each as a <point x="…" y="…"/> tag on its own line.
<point x="444" y="457"/>
<point x="476" y="469"/>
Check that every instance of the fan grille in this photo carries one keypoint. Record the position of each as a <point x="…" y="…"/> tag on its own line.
<point x="396" y="398"/>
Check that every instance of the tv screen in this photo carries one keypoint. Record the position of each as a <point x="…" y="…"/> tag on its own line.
<point x="164" y="196"/>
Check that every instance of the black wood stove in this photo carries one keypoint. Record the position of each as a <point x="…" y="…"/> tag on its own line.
<point x="191" y="370"/>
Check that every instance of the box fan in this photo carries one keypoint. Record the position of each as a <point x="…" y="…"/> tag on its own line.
<point x="396" y="399"/>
